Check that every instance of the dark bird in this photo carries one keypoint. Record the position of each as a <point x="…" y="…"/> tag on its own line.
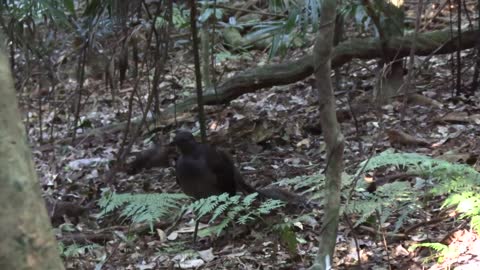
<point x="157" y="156"/>
<point x="202" y="170"/>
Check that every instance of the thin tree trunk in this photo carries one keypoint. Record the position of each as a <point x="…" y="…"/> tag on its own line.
<point x="334" y="139"/>
<point x="26" y="241"/>
<point x="205" y="48"/>
<point x="198" y="75"/>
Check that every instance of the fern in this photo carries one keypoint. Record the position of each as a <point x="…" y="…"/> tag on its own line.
<point x="459" y="182"/>
<point x="141" y="207"/>
<point x="75" y="250"/>
<point x="475" y="223"/>
<point x="150" y="207"/>
<point x="208" y="205"/>
<point x="442" y="250"/>
<point x="461" y="175"/>
<point x="404" y="213"/>
<point x="267" y="206"/>
<point x="235" y="209"/>
<point x="397" y="195"/>
<point x="304" y="181"/>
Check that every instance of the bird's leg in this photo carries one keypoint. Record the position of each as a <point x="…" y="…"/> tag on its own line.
<point x="195" y="231"/>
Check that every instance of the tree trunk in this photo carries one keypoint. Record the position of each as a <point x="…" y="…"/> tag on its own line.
<point x="27" y="241"/>
<point x="390" y="78"/>
<point x="322" y="55"/>
<point x="205" y="48"/>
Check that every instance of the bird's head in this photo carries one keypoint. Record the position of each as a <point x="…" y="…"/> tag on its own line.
<point x="184" y="140"/>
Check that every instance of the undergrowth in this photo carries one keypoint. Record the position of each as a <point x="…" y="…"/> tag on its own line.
<point x="141" y="207"/>
<point x="458" y="184"/>
<point x="75" y="250"/>
<point x="152" y="207"/>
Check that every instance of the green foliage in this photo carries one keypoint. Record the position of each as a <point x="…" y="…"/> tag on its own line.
<point x="356" y="11"/>
<point x="208" y="12"/>
<point x="397" y="195"/>
<point x="180" y="17"/>
<point x="150" y="207"/>
<point x="235" y="209"/>
<point x="287" y="233"/>
<point x="75" y="250"/>
<point x="31" y="10"/>
<point x="451" y="177"/>
<point x="225" y="55"/>
<point x="459" y="183"/>
<point x="285" y="31"/>
<point x="289" y="238"/>
<point x="311" y="184"/>
<point x="142" y="207"/>
<point x="442" y="250"/>
<point x="468" y="205"/>
<point x="391" y="17"/>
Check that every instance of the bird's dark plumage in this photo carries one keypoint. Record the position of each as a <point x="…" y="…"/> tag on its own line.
<point x="203" y="170"/>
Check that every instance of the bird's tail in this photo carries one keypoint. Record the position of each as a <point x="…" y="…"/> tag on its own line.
<point x="272" y="193"/>
<point x="241" y="185"/>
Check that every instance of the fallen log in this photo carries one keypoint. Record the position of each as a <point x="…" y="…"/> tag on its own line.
<point x="431" y="43"/>
<point x="435" y="42"/>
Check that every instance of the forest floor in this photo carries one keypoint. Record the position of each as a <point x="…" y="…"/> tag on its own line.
<point x="279" y="140"/>
<point x="273" y="135"/>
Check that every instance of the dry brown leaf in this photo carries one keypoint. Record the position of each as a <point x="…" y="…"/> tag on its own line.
<point x="459" y="118"/>
<point x="402" y="138"/>
<point x="424" y="101"/>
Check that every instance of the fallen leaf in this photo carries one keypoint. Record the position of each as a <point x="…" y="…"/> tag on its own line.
<point x="161" y="235"/>
<point x="400" y="251"/>
<point x="425" y="101"/>
<point x="85" y="162"/>
<point x="400" y="137"/>
<point x="172" y="236"/>
<point x="304" y="142"/>
<point x="249" y="168"/>
<point x="207" y="255"/>
<point x="194" y="263"/>
<point x="298" y="225"/>
<point x="420" y="237"/>
<point x="146" y="266"/>
<point x="459" y="118"/>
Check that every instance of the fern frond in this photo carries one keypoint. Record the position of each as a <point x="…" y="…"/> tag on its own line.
<point x="440" y="169"/>
<point x="267" y="206"/>
<point x="234" y="209"/>
<point x="76" y="249"/>
<point x="142" y="207"/>
<point x="223" y="207"/>
<point x="249" y="199"/>
<point x="439" y="247"/>
<point x="475" y="223"/>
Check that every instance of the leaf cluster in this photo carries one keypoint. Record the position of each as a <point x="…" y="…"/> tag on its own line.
<point x="151" y="207"/>
<point x="141" y="207"/>
<point x="459" y="183"/>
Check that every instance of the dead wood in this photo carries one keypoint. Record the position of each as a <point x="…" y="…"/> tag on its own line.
<point x="249" y="81"/>
<point x="104" y="235"/>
